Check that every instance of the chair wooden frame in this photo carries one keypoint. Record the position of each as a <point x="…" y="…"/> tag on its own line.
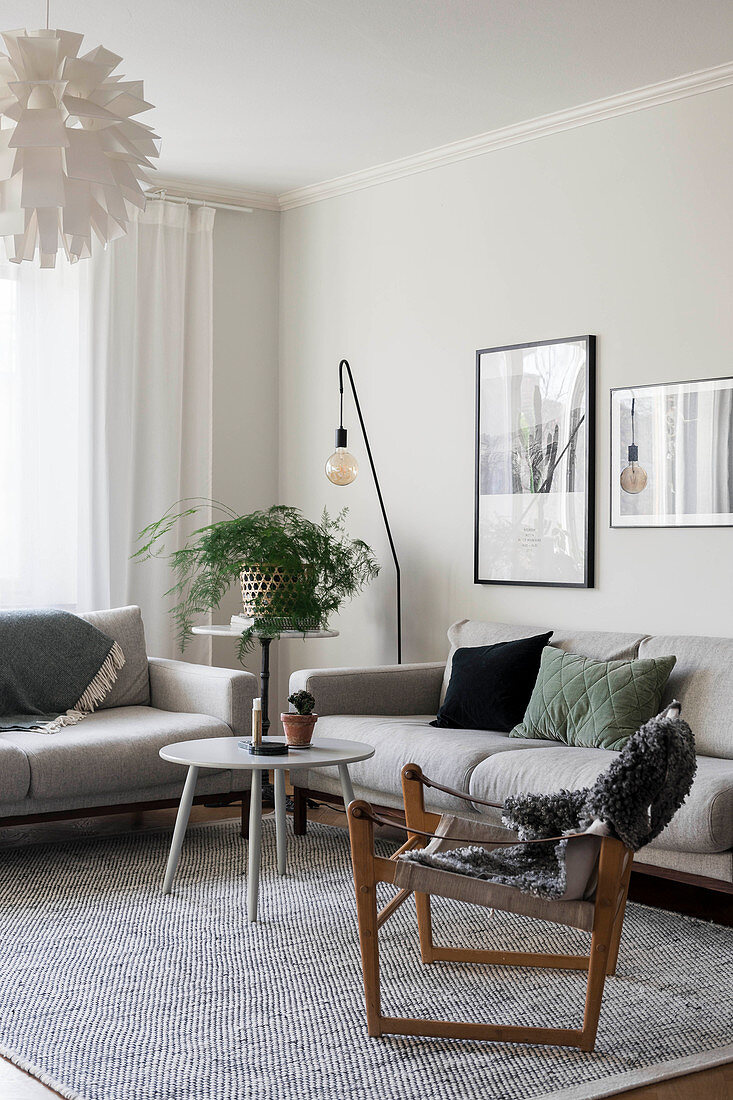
<point x="614" y="871"/>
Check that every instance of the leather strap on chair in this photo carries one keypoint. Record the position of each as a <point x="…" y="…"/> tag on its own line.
<point x="451" y="790"/>
<point x="379" y="819"/>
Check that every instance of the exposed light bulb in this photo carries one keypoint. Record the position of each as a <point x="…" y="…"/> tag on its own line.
<point x="633" y="479"/>
<point x="342" y="468"/>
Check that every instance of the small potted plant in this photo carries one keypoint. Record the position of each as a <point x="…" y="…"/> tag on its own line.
<point x="299" y="726"/>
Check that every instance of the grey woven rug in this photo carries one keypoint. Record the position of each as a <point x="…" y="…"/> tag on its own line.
<point x="109" y="991"/>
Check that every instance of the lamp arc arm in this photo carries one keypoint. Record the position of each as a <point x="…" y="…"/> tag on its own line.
<point x="344" y="365"/>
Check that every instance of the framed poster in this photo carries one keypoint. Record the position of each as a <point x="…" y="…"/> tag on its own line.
<point x="535" y="471"/>
<point x="672" y="454"/>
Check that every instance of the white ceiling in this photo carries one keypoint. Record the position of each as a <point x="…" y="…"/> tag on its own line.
<point x="276" y="94"/>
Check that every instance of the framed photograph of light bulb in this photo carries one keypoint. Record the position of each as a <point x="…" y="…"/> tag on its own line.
<point x="535" y="476"/>
<point x="672" y="454"/>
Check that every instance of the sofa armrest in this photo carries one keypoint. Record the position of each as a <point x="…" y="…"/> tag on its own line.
<point x="223" y="693"/>
<point x="385" y="689"/>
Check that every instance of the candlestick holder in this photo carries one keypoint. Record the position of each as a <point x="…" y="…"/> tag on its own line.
<point x="265" y="748"/>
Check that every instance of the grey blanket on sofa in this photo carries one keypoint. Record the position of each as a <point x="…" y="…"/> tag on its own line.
<point x="634" y="799"/>
<point x="55" y="668"/>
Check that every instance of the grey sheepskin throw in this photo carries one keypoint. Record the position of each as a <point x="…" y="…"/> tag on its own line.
<point x="633" y="800"/>
<point x="55" y="668"/>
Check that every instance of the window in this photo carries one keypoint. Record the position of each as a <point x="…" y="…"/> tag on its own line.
<point x="40" y="365"/>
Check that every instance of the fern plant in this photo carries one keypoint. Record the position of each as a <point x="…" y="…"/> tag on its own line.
<point x="326" y="567"/>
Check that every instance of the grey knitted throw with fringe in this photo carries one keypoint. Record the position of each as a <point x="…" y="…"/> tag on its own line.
<point x="633" y="800"/>
<point x="55" y="668"/>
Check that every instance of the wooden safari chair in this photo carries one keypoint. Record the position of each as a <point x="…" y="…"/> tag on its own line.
<point x="597" y="907"/>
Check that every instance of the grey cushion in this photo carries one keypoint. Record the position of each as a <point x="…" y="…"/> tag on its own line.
<point x="709" y="864"/>
<point x="125" y="625"/>
<point x="208" y="782"/>
<point x="703" y="680"/>
<point x="716" y="865"/>
<point x="599" y="644"/>
<point x="448" y="756"/>
<point x="326" y="780"/>
<point x="111" y="750"/>
<point x="384" y="689"/>
<point x="15" y="772"/>
<point x="703" y="824"/>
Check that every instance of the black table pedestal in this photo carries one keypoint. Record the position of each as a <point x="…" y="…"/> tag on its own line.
<point x="265" y="681"/>
<point x="268" y="791"/>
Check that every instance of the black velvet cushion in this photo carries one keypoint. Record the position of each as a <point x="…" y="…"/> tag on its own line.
<point x="490" y="685"/>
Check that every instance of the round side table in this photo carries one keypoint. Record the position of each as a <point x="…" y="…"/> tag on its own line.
<point x="225" y="753"/>
<point x="232" y="630"/>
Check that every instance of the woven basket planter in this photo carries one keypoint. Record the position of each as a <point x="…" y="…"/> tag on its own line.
<point x="270" y="592"/>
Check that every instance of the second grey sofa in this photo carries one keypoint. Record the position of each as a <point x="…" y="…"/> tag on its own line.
<point x="111" y="758"/>
<point x="391" y="707"/>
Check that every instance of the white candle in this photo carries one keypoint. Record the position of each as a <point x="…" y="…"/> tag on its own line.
<point x="256" y="721"/>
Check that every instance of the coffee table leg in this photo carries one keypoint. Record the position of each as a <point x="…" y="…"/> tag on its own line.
<point x="255" y="838"/>
<point x="179" y="832"/>
<point x="281" y="833"/>
<point x="346" y="789"/>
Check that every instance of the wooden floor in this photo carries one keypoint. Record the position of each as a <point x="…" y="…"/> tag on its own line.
<point x="713" y="1084"/>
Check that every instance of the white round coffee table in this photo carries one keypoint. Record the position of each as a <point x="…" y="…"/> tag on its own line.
<point x="225" y="753"/>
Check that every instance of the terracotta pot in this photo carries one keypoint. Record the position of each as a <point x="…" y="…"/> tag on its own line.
<point x="298" y="728"/>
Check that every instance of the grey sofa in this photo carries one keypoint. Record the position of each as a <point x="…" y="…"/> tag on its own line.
<point x="391" y="707"/>
<point x="109" y="761"/>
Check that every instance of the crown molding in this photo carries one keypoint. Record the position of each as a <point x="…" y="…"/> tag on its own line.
<point x="233" y="196"/>
<point x="652" y="95"/>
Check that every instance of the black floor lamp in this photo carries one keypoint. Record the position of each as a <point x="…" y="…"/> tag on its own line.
<point x="342" y="468"/>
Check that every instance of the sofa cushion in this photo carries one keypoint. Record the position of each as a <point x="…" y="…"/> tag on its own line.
<point x="703" y="682"/>
<point x="491" y="685"/>
<point x="125" y="625"/>
<point x="703" y="824"/>
<point x="599" y="644"/>
<point x="209" y="782"/>
<point x="111" y="750"/>
<point x="15" y="773"/>
<point x="593" y="704"/>
<point x="449" y="758"/>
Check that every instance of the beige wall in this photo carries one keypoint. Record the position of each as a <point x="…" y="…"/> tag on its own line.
<point x="245" y="401"/>
<point x="623" y="228"/>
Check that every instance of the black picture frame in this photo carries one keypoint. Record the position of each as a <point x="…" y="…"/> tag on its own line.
<point x="586" y="570"/>
<point x="619" y="457"/>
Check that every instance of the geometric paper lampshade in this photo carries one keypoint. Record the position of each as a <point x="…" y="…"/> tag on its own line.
<point x="72" y="156"/>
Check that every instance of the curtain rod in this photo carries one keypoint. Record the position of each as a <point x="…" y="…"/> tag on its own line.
<point x="162" y="194"/>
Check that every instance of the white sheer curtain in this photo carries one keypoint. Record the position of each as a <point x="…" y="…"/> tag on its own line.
<point x="147" y="405"/>
<point x="109" y="395"/>
<point x="41" y="339"/>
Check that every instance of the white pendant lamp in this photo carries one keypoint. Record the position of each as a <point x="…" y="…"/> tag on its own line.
<point x="72" y="156"/>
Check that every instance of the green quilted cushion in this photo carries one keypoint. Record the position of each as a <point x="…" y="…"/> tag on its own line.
<point x="593" y="704"/>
